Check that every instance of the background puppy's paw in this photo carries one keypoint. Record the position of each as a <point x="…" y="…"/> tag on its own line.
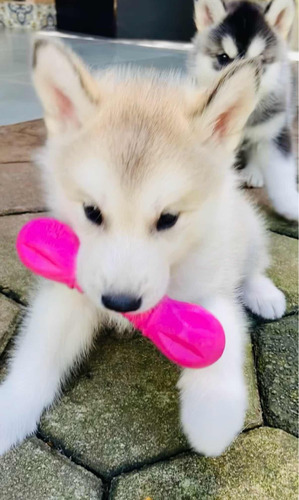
<point x="252" y="176"/>
<point x="288" y="207"/>
<point x="262" y="297"/>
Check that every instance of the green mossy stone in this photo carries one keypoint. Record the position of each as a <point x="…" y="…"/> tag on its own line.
<point x="35" y="472"/>
<point x="9" y="313"/>
<point x="276" y="351"/>
<point x="254" y="416"/>
<point x="282" y="226"/>
<point x="123" y="410"/>
<point x="284" y="268"/>
<point x="13" y="275"/>
<point x="261" y="465"/>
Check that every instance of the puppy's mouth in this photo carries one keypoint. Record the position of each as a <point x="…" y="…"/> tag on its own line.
<point x="137" y="317"/>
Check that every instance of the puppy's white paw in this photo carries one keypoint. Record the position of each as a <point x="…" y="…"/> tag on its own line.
<point x="212" y="422"/>
<point x="252" y="176"/>
<point x="288" y="206"/>
<point x="262" y="297"/>
<point x="14" y="425"/>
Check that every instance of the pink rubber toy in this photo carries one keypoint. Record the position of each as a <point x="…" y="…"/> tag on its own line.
<point x="185" y="333"/>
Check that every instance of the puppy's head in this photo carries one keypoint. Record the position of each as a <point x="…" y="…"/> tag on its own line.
<point x="135" y="164"/>
<point x="228" y="31"/>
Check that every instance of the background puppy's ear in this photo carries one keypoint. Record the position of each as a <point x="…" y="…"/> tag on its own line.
<point x="280" y="15"/>
<point x="208" y="12"/>
<point x="222" y="112"/>
<point x="66" y="89"/>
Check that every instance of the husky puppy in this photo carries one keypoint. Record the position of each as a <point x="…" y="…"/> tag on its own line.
<point x="139" y="165"/>
<point x="244" y="30"/>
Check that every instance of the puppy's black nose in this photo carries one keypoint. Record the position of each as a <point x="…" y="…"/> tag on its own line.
<point x="121" y="302"/>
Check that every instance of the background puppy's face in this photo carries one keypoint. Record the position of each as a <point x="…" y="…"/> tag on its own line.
<point x="228" y="31"/>
<point x="134" y="164"/>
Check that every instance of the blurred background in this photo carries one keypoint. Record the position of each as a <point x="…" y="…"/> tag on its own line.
<point x="149" y="33"/>
<point x="133" y="19"/>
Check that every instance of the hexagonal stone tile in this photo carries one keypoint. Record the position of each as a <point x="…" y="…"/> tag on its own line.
<point x="284" y="267"/>
<point x="123" y="410"/>
<point x="276" y="348"/>
<point x="13" y="275"/>
<point x="20" y="189"/>
<point x="9" y="312"/>
<point x="275" y="223"/>
<point x="282" y="226"/>
<point x="35" y="472"/>
<point x="261" y="464"/>
<point x="254" y="413"/>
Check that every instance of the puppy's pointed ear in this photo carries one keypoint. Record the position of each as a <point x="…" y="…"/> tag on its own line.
<point x="66" y="89"/>
<point x="280" y="16"/>
<point x="221" y="113"/>
<point x="208" y="12"/>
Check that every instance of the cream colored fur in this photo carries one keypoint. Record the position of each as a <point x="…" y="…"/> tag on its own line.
<point x="137" y="145"/>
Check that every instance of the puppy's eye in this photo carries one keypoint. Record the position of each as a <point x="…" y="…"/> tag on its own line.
<point x="166" y="221"/>
<point x="223" y="59"/>
<point x="93" y="214"/>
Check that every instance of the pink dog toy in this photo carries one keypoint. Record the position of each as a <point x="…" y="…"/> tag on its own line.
<point x="187" y="334"/>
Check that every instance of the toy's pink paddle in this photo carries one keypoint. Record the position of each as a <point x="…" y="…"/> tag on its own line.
<point x="187" y="334"/>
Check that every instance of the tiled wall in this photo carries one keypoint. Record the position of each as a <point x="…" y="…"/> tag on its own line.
<point x="30" y="14"/>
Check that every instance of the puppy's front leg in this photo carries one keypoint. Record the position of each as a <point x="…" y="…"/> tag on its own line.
<point x="58" y="329"/>
<point x="280" y="174"/>
<point x="214" y="399"/>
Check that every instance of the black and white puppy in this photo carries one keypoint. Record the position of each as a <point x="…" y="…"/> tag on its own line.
<point x="235" y="30"/>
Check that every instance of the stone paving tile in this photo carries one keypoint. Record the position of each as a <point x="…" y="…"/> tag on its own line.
<point x="254" y="416"/>
<point x="261" y="465"/>
<point x="9" y="312"/>
<point x="35" y="472"/>
<point x="284" y="267"/>
<point x="13" y="275"/>
<point x="18" y="142"/>
<point x="276" y="352"/>
<point x="123" y="410"/>
<point x="279" y="225"/>
<point x="20" y="189"/>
